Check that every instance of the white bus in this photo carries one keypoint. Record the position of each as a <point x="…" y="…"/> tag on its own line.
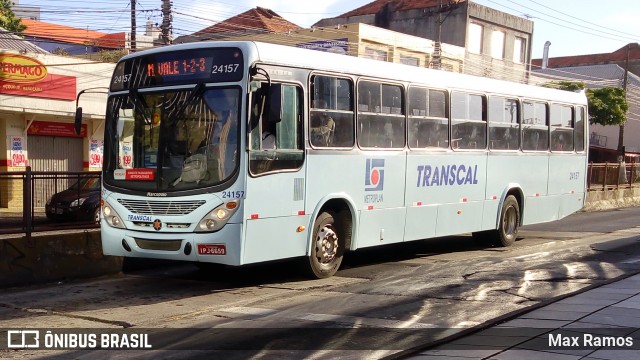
<point x="242" y="152"/>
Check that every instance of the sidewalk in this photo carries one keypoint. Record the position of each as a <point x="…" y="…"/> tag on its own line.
<point x="575" y="327"/>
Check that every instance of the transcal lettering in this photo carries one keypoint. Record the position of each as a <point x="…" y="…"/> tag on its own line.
<point x="447" y="175"/>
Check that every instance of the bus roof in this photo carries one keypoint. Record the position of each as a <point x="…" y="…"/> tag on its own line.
<point x="324" y="61"/>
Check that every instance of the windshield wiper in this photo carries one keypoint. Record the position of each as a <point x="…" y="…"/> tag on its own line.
<point x="140" y="105"/>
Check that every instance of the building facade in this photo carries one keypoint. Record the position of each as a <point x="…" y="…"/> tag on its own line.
<point x="596" y="71"/>
<point x="38" y="94"/>
<point x="356" y="39"/>
<point x="497" y="44"/>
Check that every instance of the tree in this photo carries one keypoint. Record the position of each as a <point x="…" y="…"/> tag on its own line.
<point x="565" y="85"/>
<point x="607" y="105"/>
<point x="8" y="19"/>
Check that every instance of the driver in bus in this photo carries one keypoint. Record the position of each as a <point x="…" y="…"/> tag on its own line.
<point x="268" y="135"/>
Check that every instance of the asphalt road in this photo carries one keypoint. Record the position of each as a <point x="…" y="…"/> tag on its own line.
<point x="383" y="301"/>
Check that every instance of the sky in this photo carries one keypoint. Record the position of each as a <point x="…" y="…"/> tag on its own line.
<point x="574" y="27"/>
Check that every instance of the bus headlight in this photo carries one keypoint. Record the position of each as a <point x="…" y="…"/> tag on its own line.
<point x="218" y="217"/>
<point x="112" y="218"/>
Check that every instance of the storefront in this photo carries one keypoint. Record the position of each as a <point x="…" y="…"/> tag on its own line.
<point x="37" y="109"/>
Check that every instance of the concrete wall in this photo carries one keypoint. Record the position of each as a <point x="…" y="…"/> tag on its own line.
<point x="612" y="199"/>
<point x="53" y="257"/>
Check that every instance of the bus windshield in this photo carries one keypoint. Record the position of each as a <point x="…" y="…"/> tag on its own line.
<point x="172" y="140"/>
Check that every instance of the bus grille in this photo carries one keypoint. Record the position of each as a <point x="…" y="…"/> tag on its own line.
<point x="167" y="208"/>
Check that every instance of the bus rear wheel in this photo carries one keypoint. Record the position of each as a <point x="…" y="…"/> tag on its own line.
<point x="327" y="248"/>
<point x="507" y="231"/>
<point x="509" y="222"/>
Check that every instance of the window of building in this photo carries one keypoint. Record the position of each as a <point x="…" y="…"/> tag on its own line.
<point x="497" y="44"/>
<point x="474" y="43"/>
<point x="519" y="46"/>
<point x="375" y="54"/>
<point x="409" y="60"/>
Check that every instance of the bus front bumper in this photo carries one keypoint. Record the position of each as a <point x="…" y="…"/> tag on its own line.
<point x="220" y="247"/>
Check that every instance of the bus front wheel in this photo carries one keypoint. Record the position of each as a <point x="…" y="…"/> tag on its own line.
<point x="327" y="248"/>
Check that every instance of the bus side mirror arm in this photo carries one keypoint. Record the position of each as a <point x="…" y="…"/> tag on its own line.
<point x="78" y="119"/>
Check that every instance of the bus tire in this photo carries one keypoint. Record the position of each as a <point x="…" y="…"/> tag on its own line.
<point x="327" y="247"/>
<point x="509" y="222"/>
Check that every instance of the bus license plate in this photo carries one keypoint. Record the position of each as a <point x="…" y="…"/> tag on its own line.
<point x="208" y="249"/>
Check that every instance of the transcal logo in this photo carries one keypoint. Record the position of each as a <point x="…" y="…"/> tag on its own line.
<point x="145" y="218"/>
<point x="374" y="175"/>
<point x="447" y="175"/>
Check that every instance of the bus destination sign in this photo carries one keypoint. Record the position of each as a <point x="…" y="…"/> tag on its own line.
<point x="179" y="67"/>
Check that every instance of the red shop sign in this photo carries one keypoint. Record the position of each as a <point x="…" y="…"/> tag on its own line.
<point x="55" y="129"/>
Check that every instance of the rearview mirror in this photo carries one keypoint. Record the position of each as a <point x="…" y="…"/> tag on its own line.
<point x="275" y="103"/>
<point x="78" y="120"/>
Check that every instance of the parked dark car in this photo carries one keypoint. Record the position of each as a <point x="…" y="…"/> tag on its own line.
<point x="81" y="201"/>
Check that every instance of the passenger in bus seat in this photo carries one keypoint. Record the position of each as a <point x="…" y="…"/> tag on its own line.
<point x="322" y="129"/>
<point x="388" y="134"/>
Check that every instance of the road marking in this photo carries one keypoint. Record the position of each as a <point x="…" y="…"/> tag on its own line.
<point x="631" y="261"/>
<point x="340" y="319"/>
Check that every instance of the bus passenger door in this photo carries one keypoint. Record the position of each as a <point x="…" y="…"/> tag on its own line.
<point x="274" y="203"/>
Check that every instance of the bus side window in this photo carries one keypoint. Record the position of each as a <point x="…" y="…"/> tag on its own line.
<point x="331" y="114"/>
<point x="579" y="129"/>
<point x="288" y="152"/>
<point x="535" y="131"/>
<point x="562" y="122"/>
<point x="468" y="121"/>
<point x="504" y="123"/>
<point x="428" y="120"/>
<point x="381" y="121"/>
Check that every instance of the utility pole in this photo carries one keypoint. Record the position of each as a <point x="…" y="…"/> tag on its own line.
<point x="436" y="60"/>
<point x="166" y="22"/>
<point x="624" y="88"/>
<point x="133" y="26"/>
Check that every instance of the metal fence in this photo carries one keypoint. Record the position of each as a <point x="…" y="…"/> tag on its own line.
<point x="25" y="201"/>
<point x="612" y="176"/>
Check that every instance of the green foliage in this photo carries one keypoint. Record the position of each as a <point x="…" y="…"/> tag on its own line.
<point x="607" y="106"/>
<point x="111" y="55"/>
<point x="8" y="19"/>
<point x="60" y="51"/>
<point x="565" y="85"/>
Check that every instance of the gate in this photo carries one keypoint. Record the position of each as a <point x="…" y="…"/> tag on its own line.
<point x="49" y="153"/>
